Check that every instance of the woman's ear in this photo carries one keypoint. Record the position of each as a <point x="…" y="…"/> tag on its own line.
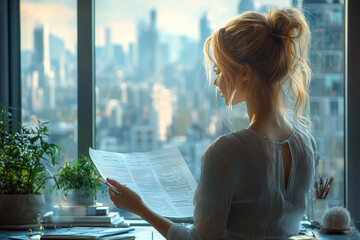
<point x="247" y="72"/>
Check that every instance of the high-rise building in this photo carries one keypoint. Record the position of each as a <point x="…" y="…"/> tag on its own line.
<point x="148" y="47"/>
<point x="57" y="59"/>
<point x="108" y="45"/>
<point x="45" y="86"/>
<point x="205" y="32"/>
<point x="295" y="3"/>
<point x="130" y="55"/>
<point x="41" y="53"/>
<point x="246" y="5"/>
<point x="326" y="57"/>
<point x="119" y="55"/>
<point x="56" y="46"/>
<point x="162" y="104"/>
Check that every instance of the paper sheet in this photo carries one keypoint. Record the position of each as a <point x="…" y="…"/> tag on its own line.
<point x="161" y="178"/>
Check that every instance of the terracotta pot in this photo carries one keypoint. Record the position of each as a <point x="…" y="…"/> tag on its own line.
<point x="20" y="209"/>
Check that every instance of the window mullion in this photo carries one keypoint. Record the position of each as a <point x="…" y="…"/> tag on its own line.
<point x="86" y="76"/>
<point x="352" y="127"/>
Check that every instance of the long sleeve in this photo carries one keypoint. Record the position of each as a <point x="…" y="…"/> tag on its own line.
<point x="240" y="194"/>
<point x="316" y="154"/>
<point x="212" y="200"/>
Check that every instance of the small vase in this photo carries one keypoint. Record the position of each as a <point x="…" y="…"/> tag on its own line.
<point x="320" y="207"/>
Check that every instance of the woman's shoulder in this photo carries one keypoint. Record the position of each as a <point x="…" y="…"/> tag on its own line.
<point x="234" y="138"/>
<point x="231" y="144"/>
<point x="304" y="133"/>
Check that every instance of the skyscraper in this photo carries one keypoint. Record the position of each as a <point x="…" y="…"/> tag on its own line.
<point x="41" y="53"/>
<point x="295" y="3"/>
<point x="57" y="59"/>
<point x="45" y="77"/>
<point x="326" y="22"/>
<point x="205" y="32"/>
<point x="108" y="45"/>
<point x="119" y="55"/>
<point x="148" y="47"/>
<point x="246" y="5"/>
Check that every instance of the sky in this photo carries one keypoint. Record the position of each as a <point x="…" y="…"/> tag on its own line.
<point x="173" y="17"/>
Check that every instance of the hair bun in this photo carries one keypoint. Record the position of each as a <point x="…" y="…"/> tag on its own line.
<point x="275" y="46"/>
<point x="278" y="36"/>
<point x="286" y="23"/>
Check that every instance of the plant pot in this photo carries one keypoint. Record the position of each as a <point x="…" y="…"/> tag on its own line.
<point x="76" y="197"/>
<point x="20" y="209"/>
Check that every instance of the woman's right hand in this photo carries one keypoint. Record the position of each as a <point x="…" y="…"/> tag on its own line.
<point x="127" y="199"/>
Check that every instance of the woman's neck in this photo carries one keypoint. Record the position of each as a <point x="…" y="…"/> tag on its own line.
<point x="269" y="122"/>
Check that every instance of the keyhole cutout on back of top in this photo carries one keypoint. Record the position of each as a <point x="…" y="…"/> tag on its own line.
<point x="287" y="161"/>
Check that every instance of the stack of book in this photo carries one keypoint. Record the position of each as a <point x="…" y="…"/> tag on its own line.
<point x="91" y="210"/>
<point x="89" y="216"/>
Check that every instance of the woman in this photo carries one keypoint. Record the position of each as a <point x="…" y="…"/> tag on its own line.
<point x="254" y="182"/>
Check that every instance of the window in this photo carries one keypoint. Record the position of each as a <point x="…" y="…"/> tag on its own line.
<point x="326" y="21"/>
<point x="150" y="85"/>
<point x="148" y="61"/>
<point x="49" y="69"/>
<point x="334" y="109"/>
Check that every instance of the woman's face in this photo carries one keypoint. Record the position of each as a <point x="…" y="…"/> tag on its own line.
<point x="220" y="83"/>
<point x="225" y="91"/>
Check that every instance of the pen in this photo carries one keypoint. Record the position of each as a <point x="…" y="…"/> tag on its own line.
<point x="329" y="185"/>
<point x="110" y="186"/>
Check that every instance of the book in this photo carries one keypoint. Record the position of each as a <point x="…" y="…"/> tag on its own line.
<point x="92" y="210"/>
<point x="84" y="233"/>
<point x="117" y="223"/>
<point x="118" y="237"/>
<point x="102" y="211"/>
<point x="110" y="218"/>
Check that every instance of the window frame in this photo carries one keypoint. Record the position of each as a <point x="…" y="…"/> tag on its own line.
<point x="352" y="106"/>
<point x="351" y="97"/>
<point x="10" y="77"/>
<point x="86" y="75"/>
<point x="86" y="92"/>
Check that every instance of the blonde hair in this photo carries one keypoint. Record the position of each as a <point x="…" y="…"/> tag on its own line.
<point x="275" y="46"/>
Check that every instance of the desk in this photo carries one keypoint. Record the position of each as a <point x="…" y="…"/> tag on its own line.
<point x="353" y="234"/>
<point x="149" y="233"/>
<point x="141" y="233"/>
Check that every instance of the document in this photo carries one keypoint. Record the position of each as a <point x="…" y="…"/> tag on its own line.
<point x="161" y="178"/>
<point x="84" y="233"/>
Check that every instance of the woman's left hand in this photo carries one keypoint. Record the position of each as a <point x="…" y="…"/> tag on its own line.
<point x="128" y="200"/>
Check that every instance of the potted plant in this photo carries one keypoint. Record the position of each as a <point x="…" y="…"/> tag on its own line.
<point x="79" y="181"/>
<point x="25" y="159"/>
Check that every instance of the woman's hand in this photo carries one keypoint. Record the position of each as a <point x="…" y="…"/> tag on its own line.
<point x="128" y="200"/>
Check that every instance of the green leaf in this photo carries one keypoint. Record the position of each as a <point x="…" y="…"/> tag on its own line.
<point x="22" y="155"/>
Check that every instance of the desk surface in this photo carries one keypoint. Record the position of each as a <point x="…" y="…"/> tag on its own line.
<point x="149" y="233"/>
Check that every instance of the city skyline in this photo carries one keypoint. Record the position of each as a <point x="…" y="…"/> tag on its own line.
<point x="145" y="100"/>
<point x="170" y="14"/>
